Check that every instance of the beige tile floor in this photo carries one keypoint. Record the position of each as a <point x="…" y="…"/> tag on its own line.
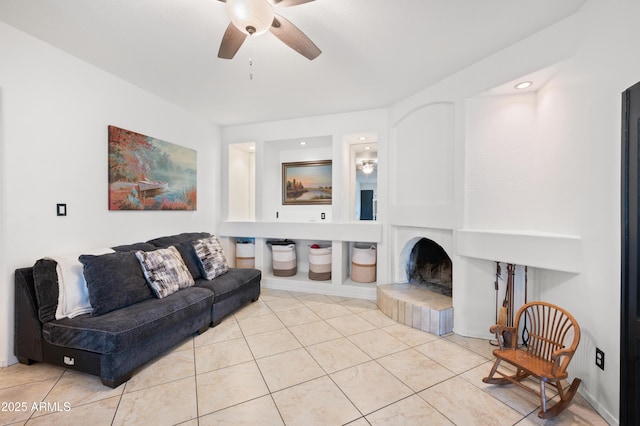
<point x="293" y="359"/>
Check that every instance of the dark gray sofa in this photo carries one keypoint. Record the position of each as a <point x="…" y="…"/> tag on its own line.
<point x="135" y="326"/>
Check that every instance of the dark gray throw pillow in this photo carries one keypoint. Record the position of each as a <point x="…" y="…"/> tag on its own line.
<point x="114" y="280"/>
<point x="45" y="280"/>
<point x="190" y="258"/>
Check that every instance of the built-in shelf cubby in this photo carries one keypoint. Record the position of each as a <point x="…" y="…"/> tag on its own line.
<point x="255" y="206"/>
<point x="337" y="236"/>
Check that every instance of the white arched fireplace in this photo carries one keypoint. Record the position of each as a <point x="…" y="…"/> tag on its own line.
<point x="423" y="274"/>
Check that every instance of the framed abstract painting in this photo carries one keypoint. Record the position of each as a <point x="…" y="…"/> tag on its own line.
<point x="146" y="173"/>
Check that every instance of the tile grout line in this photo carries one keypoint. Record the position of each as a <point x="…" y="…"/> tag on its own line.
<point x="195" y="377"/>
<point x="459" y="375"/>
<point x="270" y="393"/>
<point x="470" y="346"/>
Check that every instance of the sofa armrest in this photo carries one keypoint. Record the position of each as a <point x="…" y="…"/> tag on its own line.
<point x="27" y="326"/>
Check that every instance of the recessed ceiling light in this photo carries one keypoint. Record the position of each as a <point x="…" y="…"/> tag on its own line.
<point x="363" y="138"/>
<point x="303" y="143"/>
<point x="523" y="85"/>
<point x="367" y="147"/>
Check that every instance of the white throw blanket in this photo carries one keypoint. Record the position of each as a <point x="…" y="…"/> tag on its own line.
<point x="73" y="296"/>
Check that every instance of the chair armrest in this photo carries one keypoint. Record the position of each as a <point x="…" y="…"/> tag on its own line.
<point x="504" y="336"/>
<point x="560" y="359"/>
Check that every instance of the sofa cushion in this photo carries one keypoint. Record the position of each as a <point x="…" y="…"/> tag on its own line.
<point x="234" y="281"/>
<point x="164" y="270"/>
<point x="172" y="240"/>
<point x="125" y="328"/>
<point x="135" y="247"/>
<point x="45" y="278"/>
<point x="114" y="281"/>
<point x="212" y="259"/>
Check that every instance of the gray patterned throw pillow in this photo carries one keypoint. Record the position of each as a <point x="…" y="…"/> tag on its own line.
<point x="212" y="258"/>
<point x="164" y="270"/>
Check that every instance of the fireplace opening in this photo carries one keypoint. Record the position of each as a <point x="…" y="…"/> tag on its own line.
<point x="430" y="266"/>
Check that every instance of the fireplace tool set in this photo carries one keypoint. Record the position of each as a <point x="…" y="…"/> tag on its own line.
<point x="505" y="315"/>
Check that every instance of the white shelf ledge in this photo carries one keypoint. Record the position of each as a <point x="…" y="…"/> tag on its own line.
<point x="541" y="250"/>
<point x="304" y="285"/>
<point x="370" y="232"/>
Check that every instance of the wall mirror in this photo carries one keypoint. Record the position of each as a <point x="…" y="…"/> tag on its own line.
<point x="364" y="159"/>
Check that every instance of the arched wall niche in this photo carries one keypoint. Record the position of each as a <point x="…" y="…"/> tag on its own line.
<point x="422" y="156"/>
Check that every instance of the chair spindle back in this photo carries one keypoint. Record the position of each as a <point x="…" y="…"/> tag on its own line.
<point x="550" y="328"/>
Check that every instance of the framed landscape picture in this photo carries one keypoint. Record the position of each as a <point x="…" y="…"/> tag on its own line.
<point x="146" y="173"/>
<point x="306" y="182"/>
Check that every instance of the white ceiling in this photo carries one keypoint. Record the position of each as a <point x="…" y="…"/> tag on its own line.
<point x="375" y="52"/>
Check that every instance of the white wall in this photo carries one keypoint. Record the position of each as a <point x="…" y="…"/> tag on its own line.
<point x="54" y="111"/>
<point x="570" y="184"/>
<point x="423" y="156"/>
<point x="581" y="108"/>
<point x="501" y="170"/>
<point x="241" y="183"/>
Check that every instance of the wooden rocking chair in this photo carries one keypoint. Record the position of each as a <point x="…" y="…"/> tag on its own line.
<point x="553" y="338"/>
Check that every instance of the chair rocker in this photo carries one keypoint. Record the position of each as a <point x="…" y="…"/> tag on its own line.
<point x="554" y="335"/>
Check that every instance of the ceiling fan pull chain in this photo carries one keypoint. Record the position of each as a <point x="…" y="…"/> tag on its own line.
<point x="250" y="59"/>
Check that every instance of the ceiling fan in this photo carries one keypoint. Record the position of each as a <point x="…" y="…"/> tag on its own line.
<point x="254" y="17"/>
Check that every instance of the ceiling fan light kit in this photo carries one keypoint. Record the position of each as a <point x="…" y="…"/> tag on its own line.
<point x="255" y="17"/>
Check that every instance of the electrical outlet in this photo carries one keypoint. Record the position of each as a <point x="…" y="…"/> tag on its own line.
<point x="322" y="216"/>
<point x="600" y="358"/>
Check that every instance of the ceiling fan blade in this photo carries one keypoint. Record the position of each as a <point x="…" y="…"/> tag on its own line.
<point x="290" y="35"/>
<point x="287" y="3"/>
<point x="231" y="42"/>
